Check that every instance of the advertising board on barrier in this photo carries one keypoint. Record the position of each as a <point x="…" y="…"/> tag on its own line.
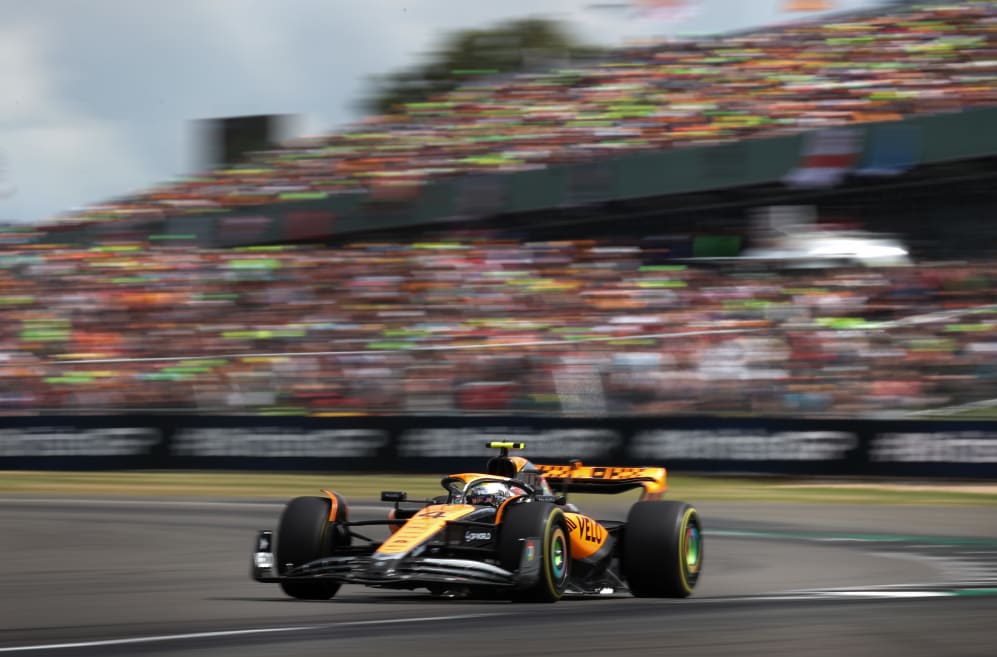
<point x="60" y="441"/>
<point x="741" y="445"/>
<point x="277" y="443"/>
<point x="438" y="442"/>
<point x="451" y="443"/>
<point x="948" y="447"/>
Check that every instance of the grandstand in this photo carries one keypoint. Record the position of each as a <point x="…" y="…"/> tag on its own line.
<point x="481" y="324"/>
<point x="905" y="63"/>
<point x="554" y="287"/>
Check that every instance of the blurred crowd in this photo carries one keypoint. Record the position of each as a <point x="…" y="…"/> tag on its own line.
<point x="483" y="324"/>
<point x="859" y="69"/>
<point x="479" y="323"/>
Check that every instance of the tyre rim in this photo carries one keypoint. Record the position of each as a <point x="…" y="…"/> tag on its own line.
<point x="558" y="562"/>
<point x="692" y="548"/>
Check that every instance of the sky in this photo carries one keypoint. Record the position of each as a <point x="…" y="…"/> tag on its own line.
<point x="96" y="96"/>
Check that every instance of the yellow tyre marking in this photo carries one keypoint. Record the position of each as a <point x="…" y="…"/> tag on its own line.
<point x="548" y="555"/>
<point x="684" y="548"/>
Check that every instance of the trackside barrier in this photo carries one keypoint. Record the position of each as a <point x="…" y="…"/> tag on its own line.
<point x="434" y="444"/>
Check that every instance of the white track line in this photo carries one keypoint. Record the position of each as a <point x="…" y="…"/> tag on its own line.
<point x="870" y="588"/>
<point x="229" y="633"/>
<point x="155" y="639"/>
<point x="879" y="595"/>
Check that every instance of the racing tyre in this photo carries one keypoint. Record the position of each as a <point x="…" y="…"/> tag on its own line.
<point x="305" y="534"/>
<point x="545" y="524"/>
<point x="662" y="549"/>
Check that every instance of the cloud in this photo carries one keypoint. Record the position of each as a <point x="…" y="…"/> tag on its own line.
<point x="23" y="97"/>
<point x="54" y="156"/>
<point x="63" y="164"/>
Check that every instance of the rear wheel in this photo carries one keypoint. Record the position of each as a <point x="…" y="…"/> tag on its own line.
<point x="545" y="524"/>
<point x="305" y="534"/>
<point x="662" y="549"/>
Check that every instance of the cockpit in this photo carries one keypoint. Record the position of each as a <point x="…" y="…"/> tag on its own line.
<point x="483" y="491"/>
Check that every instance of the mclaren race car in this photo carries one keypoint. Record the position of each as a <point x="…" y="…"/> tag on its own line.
<point x="508" y="531"/>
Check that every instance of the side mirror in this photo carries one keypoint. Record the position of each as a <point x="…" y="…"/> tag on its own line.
<point x="561" y="500"/>
<point x="393" y="496"/>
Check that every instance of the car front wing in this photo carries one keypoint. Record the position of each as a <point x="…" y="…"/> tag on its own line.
<point x="399" y="571"/>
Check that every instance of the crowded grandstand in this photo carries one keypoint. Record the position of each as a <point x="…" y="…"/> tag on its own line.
<point x="861" y="69"/>
<point x="485" y="321"/>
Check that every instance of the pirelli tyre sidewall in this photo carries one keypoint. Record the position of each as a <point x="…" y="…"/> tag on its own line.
<point x="305" y="533"/>
<point x="545" y="523"/>
<point x="662" y="552"/>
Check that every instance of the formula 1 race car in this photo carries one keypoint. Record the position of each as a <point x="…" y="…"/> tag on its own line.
<point x="509" y="530"/>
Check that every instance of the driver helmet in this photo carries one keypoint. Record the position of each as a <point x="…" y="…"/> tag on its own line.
<point x="491" y="492"/>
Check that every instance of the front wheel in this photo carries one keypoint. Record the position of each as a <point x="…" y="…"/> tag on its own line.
<point x="544" y="524"/>
<point x="305" y="534"/>
<point x="662" y="549"/>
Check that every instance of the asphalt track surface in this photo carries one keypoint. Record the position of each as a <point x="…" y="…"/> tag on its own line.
<point x="170" y="577"/>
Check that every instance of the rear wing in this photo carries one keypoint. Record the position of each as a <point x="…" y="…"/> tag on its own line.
<point x="578" y="478"/>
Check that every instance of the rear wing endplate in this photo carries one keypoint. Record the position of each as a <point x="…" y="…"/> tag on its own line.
<point x="578" y="478"/>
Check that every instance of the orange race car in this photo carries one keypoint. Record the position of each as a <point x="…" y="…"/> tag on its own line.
<point x="508" y="530"/>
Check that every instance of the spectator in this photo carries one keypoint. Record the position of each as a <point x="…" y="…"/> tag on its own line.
<point x="485" y="324"/>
